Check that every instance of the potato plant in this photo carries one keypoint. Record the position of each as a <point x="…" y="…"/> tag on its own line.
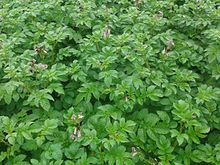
<point x="109" y="82"/>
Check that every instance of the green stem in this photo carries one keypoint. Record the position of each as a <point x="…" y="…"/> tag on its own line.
<point x="53" y="53"/>
<point x="180" y="130"/>
<point x="97" y="47"/>
<point x="6" y="143"/>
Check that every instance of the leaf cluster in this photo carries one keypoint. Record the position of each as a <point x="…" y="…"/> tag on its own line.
<point x="115" y="82"/>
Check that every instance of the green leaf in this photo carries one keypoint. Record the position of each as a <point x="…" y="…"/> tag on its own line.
<point x="45" y="104"/>
<point x="30" y="145"/>
<point x="11" y="140"/>
<point x="141" y="135"/>
<point x="51" y="123"/>
<point x="57" y="153"/>
<point x="27" y="135"/>
<point x="49" y="97"/>
<point x="180" y="139"/>
<point x="68" y="162"/>
<point x="40" y="140"/>
<point x="7" y="98"/>
<point x="152" y="135"/>
<point x="164" y="116"/>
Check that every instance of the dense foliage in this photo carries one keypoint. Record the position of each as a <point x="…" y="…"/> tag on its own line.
<point x="109" y="82"/>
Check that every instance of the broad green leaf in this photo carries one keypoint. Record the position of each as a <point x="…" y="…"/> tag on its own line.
<point x="45" y="104"/>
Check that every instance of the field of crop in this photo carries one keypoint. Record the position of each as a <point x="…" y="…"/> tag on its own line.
<point x="109" y="82"/>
